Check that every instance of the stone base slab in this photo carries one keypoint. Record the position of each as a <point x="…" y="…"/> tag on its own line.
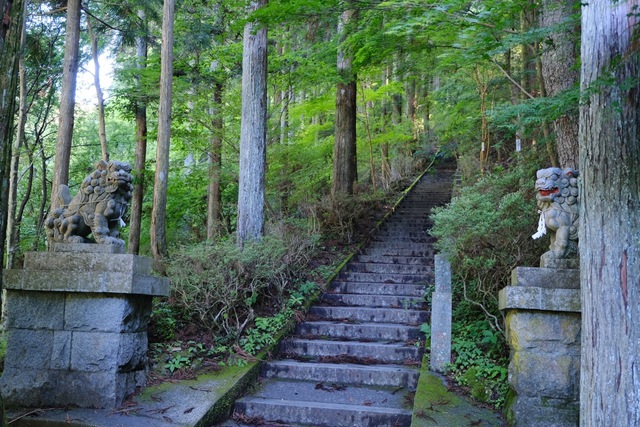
<point x="76" y="325"/>
<point x="543" y="299"/>
<point x="543" y="325"/>
<point x="58" y="388"/>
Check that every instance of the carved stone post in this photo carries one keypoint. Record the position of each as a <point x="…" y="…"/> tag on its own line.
<point x="76" y="321"/>
<point x="441" y="316"/>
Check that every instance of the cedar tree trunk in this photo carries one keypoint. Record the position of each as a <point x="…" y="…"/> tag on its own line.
<point x="610" y="214"/>
<point x="253" y="132"/>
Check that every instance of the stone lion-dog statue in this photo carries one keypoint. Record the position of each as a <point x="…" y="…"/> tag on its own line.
<point x="97" y="209"/>
<point x="558" y="204"/>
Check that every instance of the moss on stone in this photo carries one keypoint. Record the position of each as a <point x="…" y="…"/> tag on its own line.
<point x="435" y="405"/>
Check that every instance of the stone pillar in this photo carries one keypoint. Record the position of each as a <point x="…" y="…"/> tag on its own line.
<point x="441" y="316"/>
<point x="76" y="323"/>
<point x="542" y="308"/>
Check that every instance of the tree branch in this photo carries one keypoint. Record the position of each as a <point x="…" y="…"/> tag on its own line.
<point x="508" y="76"/>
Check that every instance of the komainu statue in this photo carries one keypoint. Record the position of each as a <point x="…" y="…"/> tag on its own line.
<point x="558" y="204"/>
<point x="97" y="209"/>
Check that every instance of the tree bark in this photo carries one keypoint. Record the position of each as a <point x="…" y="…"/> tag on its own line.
<point x="253" y="131"/>
<point x="135" y="218"/>
<point x="610" y="214"/>
<point x="559" y="72"/>
<point x="102" y="132"/>
<point x="67" y="98"/>
<point x="13" y="223"/>
<point x="10" y="34"/>
<point x="160" y="184"/>
<point x="344" y="148"/>
<point x="214" y="200"/>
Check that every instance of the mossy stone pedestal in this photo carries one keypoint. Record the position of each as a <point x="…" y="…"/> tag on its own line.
<point x="76" y="324"/>
<point x="543" y="320"/>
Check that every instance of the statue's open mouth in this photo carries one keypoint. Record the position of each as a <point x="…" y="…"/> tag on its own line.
<point x="118" y="180"/>
<point x="547" y="193"/>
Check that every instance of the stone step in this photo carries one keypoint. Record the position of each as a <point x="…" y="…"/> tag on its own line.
<point x="344" y="373"/>
<point x="405" y="244"/>
<point x="397" y="226"/>
<point x="394" y="259"/>
<point x="422" y="278"/>
<point x="367" y="351"/>
<point x="396" y="238"/>
<point x="321" y="414"/>
<point x="416" y="233"/>
<point x="365" y="314"/>
<point x="378" y="288"/>
<point x="361" y="331"/>
<point x="382" y="267"/>
<point x="422" y="214"/>
<point x="417" y="251"/>
<point x="365" y="300"/>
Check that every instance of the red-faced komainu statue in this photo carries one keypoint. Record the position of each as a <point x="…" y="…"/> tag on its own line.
<point x="558" y="202"/>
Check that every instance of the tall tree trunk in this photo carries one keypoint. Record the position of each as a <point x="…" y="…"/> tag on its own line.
<point x="67" y="98"/>
<point x="546" y="130"/>
<point x="411" y="90"/>
<point x="43" y="200"/>
<point x="367" y="105"/>
<point x="528" y="21"/>
<point x="214" y="200"/>
<point x="10" y="35"/>
<point x="345" y="168"/>
<point x="385" y="165"/>
<point x="160" y="183"/>
<point x="13" y="224"/>
<point x="396" y="112"/>
<point x="610" y="214"/>
<point x="135" y="218"/>
<point x="253" y="131"/>
<point x="559" y="72"/>
<point x="424" y="109"/>
<point x="102" y="132"/>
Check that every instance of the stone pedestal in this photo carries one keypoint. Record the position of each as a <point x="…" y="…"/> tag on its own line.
<point x="441" y="316"/>
<point x="543" y="331"/>
<point x="76" y="324"/>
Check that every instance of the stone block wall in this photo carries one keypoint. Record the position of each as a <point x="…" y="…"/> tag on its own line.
<point x="69" y="344"/>
<point x="543" y="332"/>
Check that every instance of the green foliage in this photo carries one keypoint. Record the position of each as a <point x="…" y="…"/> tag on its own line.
<point x="177" y="362"/>
<point x="267" y="330"/>
<point x="221" y="286"/>
<point x="164" y="320"/>
<point x="480" y="361"/>
<point x="486" y="231"/>
<point x="174" y="356"/>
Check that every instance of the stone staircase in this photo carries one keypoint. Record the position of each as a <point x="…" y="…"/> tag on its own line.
<point x="355" y="360"/>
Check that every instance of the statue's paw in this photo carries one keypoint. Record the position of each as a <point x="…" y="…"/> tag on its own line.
<point x="108" y="240"/>
<point x="75" y="239"/>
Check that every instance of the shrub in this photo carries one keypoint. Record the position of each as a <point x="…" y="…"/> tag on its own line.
<point x="486" y="231"/>
<point x="224" y="288"/>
